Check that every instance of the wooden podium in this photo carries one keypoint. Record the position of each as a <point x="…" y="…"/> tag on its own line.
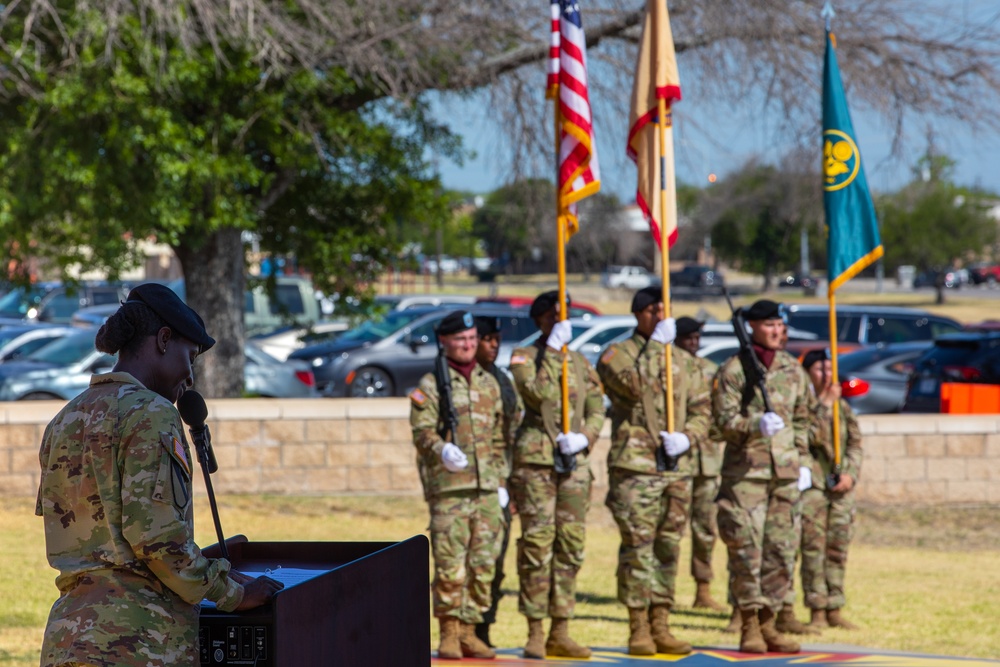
<point x="344" y="603"/>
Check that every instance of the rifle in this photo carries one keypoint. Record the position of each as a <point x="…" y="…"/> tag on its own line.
<point x="447" y="405"/>
<point x="753" y="369"/>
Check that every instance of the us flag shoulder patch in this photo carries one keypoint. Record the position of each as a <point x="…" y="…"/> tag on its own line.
<point x="181" y="455"/>
<point x="518" y="359"/>
<point x="607" y="356"/>
<point x="418" y="397"/>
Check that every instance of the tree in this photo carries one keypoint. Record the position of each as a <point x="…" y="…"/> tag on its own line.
<point x="933" y="223"/>
<point x="512" y="221"/>
<point x="302" y="122"/>
<point x="756" y="216"/>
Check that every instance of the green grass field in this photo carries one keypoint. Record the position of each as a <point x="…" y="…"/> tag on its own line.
<point x="922" y="580"/>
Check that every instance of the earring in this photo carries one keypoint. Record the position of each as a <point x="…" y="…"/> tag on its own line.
<point x="164" y="350"/>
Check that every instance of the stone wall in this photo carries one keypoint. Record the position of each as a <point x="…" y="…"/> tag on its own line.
<point x="356" y="446"/>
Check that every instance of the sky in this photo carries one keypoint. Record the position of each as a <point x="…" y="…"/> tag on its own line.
<point x="736" y="137"/>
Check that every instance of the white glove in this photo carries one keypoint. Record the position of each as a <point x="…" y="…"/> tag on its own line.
<point x="770" y="423"/>
<point x="675" y="444"/>
<point x="561" y="334"/>
<point x="453" y="458"/>
<point x="572" y="443"/>
<point x="665" y="331"/>
<point x="805" y="478"/>
<point x="503" y="496"/>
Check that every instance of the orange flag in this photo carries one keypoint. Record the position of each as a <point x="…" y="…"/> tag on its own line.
<point x="656" y="78"/>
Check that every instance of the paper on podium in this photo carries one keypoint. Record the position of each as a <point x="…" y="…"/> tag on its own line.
<point x="289" y="576"/>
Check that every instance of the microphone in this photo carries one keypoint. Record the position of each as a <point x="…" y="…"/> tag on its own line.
<point x="194" y="412"/>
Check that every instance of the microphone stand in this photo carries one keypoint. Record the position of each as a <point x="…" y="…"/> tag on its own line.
<point x="208" y="465"/>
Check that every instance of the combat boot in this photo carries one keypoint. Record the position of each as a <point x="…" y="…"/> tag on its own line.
<point x="703" y="598"/>
<point x="640" y="642"/>
<point x="818" y="619"/>
<point x="835" y="620"/>
<point x="450" y="648"/>
<point x="473" y="646"/>
<point x="659" y="616"/>
<point x="735" y="624"/>
<point x="751" y="640"/>
<point x="787" y="623"/>
<point x="776" y="642"/>
<point x="535" y="648"/>
<point x="560" y="644"/>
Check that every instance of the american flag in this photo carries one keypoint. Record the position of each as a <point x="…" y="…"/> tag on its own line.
<point x="579" y="175"/>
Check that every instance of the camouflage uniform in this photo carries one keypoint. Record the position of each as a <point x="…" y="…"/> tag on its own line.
<point x="553" y="507"/>
<point x="464" y="508"/>
<point x="115" y="496"/>
<point x="706" y="463"/>
<point x="650" y="507"/>
<point x="759" y="492"/>
<point x="513" y="408"/>
<point x="828" y="518"/>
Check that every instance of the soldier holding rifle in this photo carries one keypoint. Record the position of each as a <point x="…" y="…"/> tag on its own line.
<point x="761" y="407"/>
<point x="457" y="418"/>
<point x="551" y="479"/>
<point x="649" y="468"/>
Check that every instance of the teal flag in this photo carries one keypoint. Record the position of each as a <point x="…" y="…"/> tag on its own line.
<point x="853" y="241"/>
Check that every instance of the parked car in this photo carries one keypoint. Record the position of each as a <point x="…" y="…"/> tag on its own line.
<point x="61" y="370"/>
<point x="626" y="277"/>
<point x="268" y="377"/>
<point x="404" y="301"/>
<point x="950" y="278"/>
<point x="798" y="280"/>
<point x="858" y="326"/>
<point x="874" y="379"/>
<point x="283" y="341"/>
<point x="293" y="300"/>
<point x="590" y="335"/>
<point x="17" y="341"/>
<point x="388" y="356"/>
<point x="984" y="273"/>
<point x="576" y="309"/>
<point x="698" y="277"/>
<point x="960" y="357"/>
<point x="55" y="303"/>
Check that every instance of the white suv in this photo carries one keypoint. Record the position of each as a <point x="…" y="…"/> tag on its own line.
<point x="626" y="277"/>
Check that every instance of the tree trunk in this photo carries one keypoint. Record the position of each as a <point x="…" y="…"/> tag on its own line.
<point x="215" y="282"/>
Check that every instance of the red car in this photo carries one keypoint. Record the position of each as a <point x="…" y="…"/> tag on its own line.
<point x="576" y="309"/>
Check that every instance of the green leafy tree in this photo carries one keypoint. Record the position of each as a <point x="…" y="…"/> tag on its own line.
<point x="933" y="223"/>
<point x="513" y="219"/>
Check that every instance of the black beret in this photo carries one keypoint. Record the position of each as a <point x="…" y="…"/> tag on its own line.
<point x="765" y="309"/>
<point x="812" y="356"/>
<point x="688" y="325"/>
<point x="545" y="302"/>
<point x="178" y="315"/>
<point x="455" y="321"/>
<point x="487" y="326"/>
<point x="646" y="296"/>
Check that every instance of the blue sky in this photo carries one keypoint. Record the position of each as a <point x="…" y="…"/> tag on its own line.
<point x="735" y="137"/>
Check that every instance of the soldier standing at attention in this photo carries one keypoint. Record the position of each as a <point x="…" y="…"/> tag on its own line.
<point x="551" y="479"/>
<point x="457" y="418"/>
<point x="116" y="500"/>
<point x="706" y="463"/>
<point x="828" y="505"/>
<point x="649" y="469"/>
<point x="513" y="408"/>
<point x="765" y="465"/>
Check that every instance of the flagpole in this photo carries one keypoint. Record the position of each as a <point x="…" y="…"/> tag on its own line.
<point x="834" y="378"/>
<point x="561" y="269"/>
<point x="668" y="383"/>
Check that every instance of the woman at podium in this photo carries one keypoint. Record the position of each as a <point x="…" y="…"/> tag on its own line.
<point x="115" y="497"/>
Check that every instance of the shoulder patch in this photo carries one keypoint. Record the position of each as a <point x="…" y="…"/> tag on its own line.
<point x="418" y="397"/>
<point x="518" y="359"/>
<point x="177" y="449"/>
<point x="608" y="355"/>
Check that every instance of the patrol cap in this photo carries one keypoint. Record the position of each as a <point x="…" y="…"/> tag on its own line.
<point x="812" y="356"/>
<point x="455" y="321"/>
<point x="765" y="309"/>
<point x="487" y="326"/>
<point x="688" y="325"/>
<point x="544" y="302"/>
<point x="646" y="296"/>
<point x="178" y="315"/>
